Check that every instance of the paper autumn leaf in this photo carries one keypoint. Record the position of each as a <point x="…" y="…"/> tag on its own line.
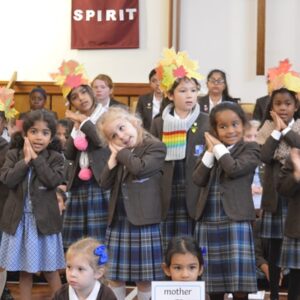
<point x="175" y="65"/>
<point x="283" y="77"/>
<point x="71" y="75"/>
<point x="73" y="80"/>
<point x="179" y="72"/>
<point x="284" y="66"/>
<point x="68" y="67"/>
<point x="7" y="102"/>
<point x="292" y="83"/>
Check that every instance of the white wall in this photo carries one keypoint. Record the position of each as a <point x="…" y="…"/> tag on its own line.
<point x="222" y="34"/>
<point x="35" y="38"/>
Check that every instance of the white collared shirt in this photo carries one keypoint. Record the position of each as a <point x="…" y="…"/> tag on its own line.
<point x="212" y="104"/>
<point x="178" y="117"/>
<point x="156" y="106"/>
<point x="92" y="296"/>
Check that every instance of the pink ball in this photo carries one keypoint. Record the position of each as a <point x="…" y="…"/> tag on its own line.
<point x="81" y="143"/>
<point x="85" y="174"/>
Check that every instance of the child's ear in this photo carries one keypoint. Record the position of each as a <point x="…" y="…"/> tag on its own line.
<point x="99" y="273"/>
<point x="170" y="96"/>
<point x="201" y="271"/>
<point x="166" y="269"/>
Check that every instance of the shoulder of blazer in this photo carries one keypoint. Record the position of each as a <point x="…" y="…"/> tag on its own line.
<point x="203" y="99"/>
<point x="115" y="102"/>
<point x="146" y="97"/>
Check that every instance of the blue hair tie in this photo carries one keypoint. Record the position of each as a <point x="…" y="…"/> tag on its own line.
<point x="102" y="253"/>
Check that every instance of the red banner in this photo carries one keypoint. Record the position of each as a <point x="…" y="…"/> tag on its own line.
<point x="105" y="24"/>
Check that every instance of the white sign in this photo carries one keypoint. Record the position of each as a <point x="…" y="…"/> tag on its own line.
<point x="178" y="290"/>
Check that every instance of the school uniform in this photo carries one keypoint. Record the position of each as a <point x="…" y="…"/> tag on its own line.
<point x="205" y="103"/>
<point x="3" y="188"/>
<point x="87" y="205"/>
<point x="31" y="219"/>
<point x="105" y="293"/>
<point x="133" y="236"/>
<point x="289" y="187"/>
<point x="260" y="108"/>
<point x="180" y="194"/>
<point x="144" y="109"/>
<point x="224" y="212"/>
<point x="113" y="101"/>
<point x="274" y="205"/>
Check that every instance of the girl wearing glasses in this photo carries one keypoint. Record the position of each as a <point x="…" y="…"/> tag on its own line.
<point x="217" y="91"/>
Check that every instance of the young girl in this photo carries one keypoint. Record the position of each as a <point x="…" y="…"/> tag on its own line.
<point x="183" y="259"/>
<point x="63" y="131"/>
<point x="289" y="185"/>
<point x="133" y="173"/>
<point x="31" y="221"/>
<point x="278" y="134"/>
<point x="225" y="208"/>
<point x="86" y="260"/>
<point x="87" y="204"/>
<point x="181" y="127"/>
<point x="103" y="88"/>
<point x="37" y="100"/>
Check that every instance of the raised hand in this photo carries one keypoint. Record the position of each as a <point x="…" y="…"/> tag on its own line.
<point x="279" y="123"/>
<point x="26" y="150"/>
<point x="75" y="117"/>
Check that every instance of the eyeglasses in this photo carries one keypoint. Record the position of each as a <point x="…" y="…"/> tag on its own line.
<point x="216" y="81"/>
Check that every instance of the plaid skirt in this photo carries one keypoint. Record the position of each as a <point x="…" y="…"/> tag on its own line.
<point x="178" y="221"/>
<point x="272" y="224"/>
<point x="229" y="257"/>
<point x="135" y="252"/>
<point x="86" y="213"/>
<point x="290" y="253"/>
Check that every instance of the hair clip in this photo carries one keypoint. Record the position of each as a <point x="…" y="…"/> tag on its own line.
<point x="102" y="253"/>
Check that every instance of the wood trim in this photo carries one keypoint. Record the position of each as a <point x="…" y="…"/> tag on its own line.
<point x="171" y="13"/>
<point x="120" y="89"/>
<point x="261" y="33"/>
<point x="126" y="93"/>
<point x="174" y="24"/>
<point x="177" y="33"/>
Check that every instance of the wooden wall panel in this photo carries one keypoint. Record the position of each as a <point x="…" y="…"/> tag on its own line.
<point x="126" y="93"/>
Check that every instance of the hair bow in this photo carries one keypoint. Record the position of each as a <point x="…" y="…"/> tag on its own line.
<point x="102" y="253"/>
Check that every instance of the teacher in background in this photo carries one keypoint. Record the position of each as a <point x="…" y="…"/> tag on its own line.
<point x="217" y="91"/>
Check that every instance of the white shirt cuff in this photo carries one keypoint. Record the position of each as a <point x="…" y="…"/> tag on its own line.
<point x="219" y="150"/>
<point x="83" y="122"/>
<point x="285" y="131"/>
<point x="276" y="134"/>
<point x="208" y="159"/>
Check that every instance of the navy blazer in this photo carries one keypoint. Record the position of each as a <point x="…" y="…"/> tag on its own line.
<point x="235" y="172"/>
